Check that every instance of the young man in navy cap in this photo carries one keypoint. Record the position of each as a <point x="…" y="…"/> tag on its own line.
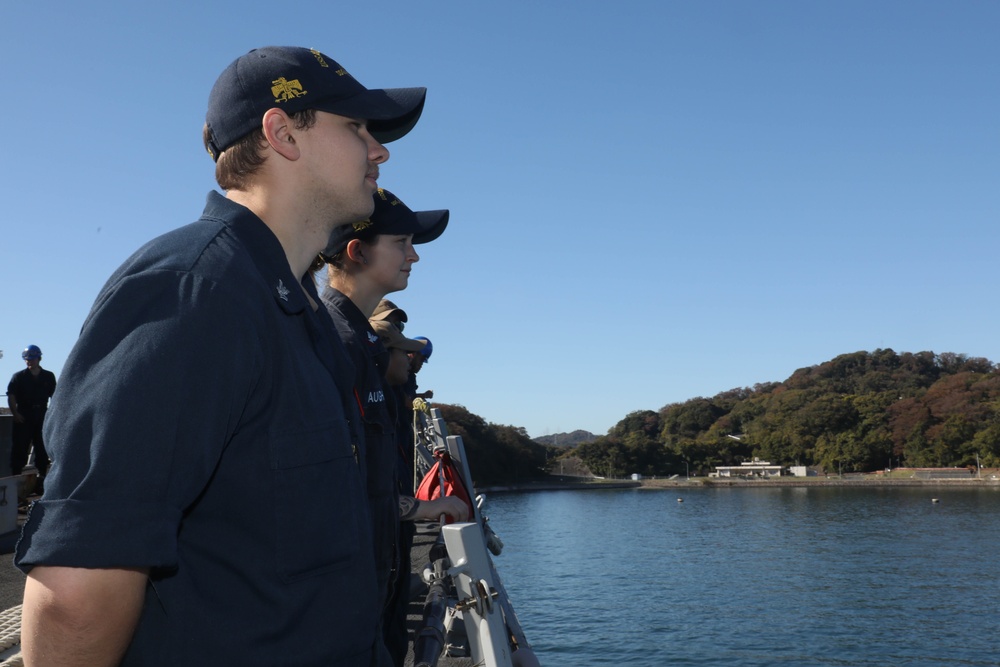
<point x="206" y="503"/>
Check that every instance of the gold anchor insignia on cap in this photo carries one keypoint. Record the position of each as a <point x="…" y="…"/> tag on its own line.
<point x="284" y="90"/>
<point x="363" y="225"/>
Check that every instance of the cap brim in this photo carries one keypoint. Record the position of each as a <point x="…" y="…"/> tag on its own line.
<point x="425" y="226"/>
<point x="432" y="225"/>
<point x="390" y="112"/>
<point x="393" y="338"/>
<point x="407" y="345"/>
<point x="386" y="314"/>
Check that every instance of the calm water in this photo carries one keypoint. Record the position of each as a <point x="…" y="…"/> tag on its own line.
<point x="754" y="577"/>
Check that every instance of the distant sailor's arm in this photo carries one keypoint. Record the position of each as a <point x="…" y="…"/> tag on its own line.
<point x="411" y="509"/>
<point x="12" y="404"/>
<point x="78" y="616"/>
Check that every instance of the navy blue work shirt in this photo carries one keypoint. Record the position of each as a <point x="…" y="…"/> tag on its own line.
<point x="378" y="414"/>
<point x="32" y="392"/>
<point x="203" y="429"/>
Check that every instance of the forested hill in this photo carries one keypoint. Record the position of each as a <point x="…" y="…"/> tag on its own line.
<point x="566" y="439"/>
<point x="858" y="412"/>
<point x="498" y="454"/>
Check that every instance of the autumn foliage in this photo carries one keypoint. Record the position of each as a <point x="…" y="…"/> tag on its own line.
<point x="858" y="412"/>
<point x="498" y="454"/>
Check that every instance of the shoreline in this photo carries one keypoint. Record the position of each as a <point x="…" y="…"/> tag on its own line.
<point x="870" y="481"/>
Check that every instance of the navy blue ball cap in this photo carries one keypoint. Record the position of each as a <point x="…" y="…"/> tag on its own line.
<point x="391" y="216"/>
<point x="294" y="79"/>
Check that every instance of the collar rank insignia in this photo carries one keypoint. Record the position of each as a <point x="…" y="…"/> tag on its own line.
<point x="282" y="291"/>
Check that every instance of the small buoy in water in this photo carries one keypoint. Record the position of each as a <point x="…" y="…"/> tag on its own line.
<point x="935" y="500"/>
<point x="680" y="500"/>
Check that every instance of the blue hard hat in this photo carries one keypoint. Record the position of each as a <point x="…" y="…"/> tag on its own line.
<point x="428" y="348"/>
<point x="31" y="352"/>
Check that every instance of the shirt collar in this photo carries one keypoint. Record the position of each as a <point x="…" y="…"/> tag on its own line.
<point x="266" y="252"/>
<point x="342" y="302"/>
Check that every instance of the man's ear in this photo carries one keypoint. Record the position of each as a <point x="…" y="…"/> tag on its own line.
<point x="280" y="133"/>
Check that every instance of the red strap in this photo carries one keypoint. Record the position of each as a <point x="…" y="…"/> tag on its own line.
<point x="358" y="399"/>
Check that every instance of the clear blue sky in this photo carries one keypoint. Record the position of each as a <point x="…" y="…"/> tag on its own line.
<point x="651" y="200"/>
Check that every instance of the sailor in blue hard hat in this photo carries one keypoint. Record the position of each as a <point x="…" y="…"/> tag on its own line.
<point x="28" y="394"/>
<point x="417" y="361"/>
<point x="427" y="349"/>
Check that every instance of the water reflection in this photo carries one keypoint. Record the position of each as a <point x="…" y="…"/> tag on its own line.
<point x="753" y="577"/>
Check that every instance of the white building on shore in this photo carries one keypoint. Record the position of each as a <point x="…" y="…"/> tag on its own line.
<point x="755" y="468"/>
